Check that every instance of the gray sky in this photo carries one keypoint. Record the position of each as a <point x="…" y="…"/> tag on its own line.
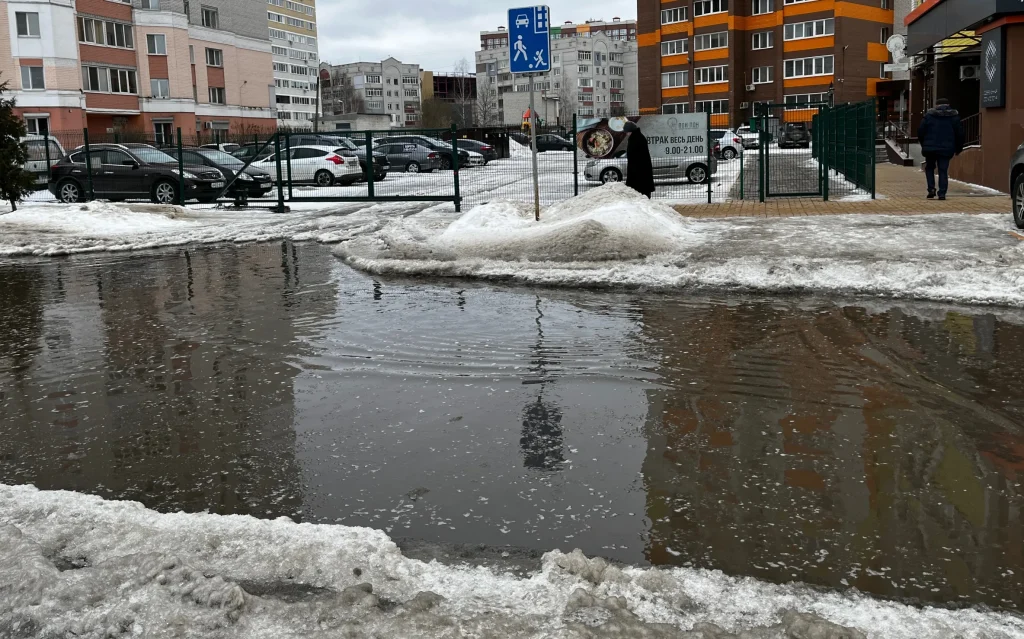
<point x="431" y="33"/>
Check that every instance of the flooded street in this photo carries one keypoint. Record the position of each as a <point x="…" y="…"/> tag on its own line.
<point x="877" y="446"/>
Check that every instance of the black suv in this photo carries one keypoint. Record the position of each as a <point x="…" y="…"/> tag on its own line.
<point x="795" y="135"/>
<point x="131" y="171"/>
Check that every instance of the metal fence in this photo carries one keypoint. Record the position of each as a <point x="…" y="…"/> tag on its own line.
<point x="844" y="146"/>
<point x="972" y="130"/>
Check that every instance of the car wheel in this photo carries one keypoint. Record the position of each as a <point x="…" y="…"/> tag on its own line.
<point x="412" y="167"/>
<point x="323" y="178"/>
<point x="380" y="178"/>
<point x="610" y="175"/>
<point x="69" y="192"/>
<point x="729" y="153"/>
<point x="697" y="174"/>
<point x="1018" y="201"/>
<point x="165" y="192"/>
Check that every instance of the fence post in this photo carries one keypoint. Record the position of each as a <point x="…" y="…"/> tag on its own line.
<point x="280" y="179"/>
<point x="874" y="153"/>
<point x="707" y="132"/>
<point x="762" y="152"/>
<point x="455" y="169"/>
<point x="743" y="161"/>
<point x="575" y="159"/>
<point x="288" y="160"/>
<point x="46" y="151"/>
<point x="369" y="165"/>
<point x="88" y="164"/>
<point x="181" y="172"/>
<point x="823" y="139"/>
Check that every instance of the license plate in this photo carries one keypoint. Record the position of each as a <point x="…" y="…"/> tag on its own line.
<point x="217" y="185"/>
<point x="385" y="166"/>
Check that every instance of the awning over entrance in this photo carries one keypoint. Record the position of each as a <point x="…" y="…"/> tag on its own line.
<point x="936" y="20"/>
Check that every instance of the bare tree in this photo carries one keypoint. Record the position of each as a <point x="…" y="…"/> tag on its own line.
<point x="437" y="114"/>
<point x="462" y="93"/>
<point x="486" y="101"/>
<point x="341" y="96"/>
<point x="566" y="104"/>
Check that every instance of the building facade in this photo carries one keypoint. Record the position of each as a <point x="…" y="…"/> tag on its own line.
<point x="725" y="56"/>
<point x="144" y="65"/>
<point x="293" y="43"/>
<point x="390" y="87"/>
<point x="594" y="74"/>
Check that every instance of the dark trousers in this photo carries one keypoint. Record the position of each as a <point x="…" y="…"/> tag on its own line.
<point x="931" y="162"/>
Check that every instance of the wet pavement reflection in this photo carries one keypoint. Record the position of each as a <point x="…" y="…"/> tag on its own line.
<point x="870" y="446"/>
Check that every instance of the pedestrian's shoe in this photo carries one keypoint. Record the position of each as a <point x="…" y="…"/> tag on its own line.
<point x="942" y="197"/>
<point x="931" y="195"/>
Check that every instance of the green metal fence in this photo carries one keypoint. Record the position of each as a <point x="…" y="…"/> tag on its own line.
<point x="845" y="144"/>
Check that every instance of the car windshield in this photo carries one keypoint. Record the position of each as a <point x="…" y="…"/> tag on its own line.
<point x="348" y="144"/>
<point x="438" y="143"/>
<point x="153" y="156"/>
<point x="221" y="157"/>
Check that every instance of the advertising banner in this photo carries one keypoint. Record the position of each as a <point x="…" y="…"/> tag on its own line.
<point x="667" y="135"/>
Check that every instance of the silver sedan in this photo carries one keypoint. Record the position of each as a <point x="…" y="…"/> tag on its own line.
<point x="695" y="168"/>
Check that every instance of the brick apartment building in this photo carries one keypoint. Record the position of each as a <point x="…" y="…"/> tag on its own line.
<point x="724" y="56"/>
<point x="141" y="65"/>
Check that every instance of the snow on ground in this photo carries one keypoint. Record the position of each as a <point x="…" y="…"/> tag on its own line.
<point x="76" y="565"/>
<point x="614" y="237"/>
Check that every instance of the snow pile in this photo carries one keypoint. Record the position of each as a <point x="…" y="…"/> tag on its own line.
<point x="99" y="218"/>
<point x="610" y="223"/>
<point x="76" y="565"/>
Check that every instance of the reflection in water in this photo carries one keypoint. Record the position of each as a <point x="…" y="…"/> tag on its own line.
<point x="786" y="440"/>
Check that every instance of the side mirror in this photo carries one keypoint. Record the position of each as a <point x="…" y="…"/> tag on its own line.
<point x="130" y="163"/>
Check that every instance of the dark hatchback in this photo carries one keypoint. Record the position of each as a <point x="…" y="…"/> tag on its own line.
<point x="252" y="181"/>
<point x="131" y="171"/>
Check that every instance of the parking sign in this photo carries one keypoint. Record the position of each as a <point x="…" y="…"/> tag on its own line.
<point x="529" y="39"/>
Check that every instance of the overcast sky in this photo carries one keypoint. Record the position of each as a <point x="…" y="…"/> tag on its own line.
<point x="431" y="33"/>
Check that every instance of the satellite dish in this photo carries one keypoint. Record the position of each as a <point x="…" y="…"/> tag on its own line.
<point x="897" y="46"/>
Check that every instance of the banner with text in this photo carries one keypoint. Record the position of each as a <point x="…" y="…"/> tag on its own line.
<point x="667" y="135"/>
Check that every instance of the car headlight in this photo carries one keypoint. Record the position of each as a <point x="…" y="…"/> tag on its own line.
<point x="591" y="164"/>
<point x="184" y="174"/>
<point x="245" y="177"/>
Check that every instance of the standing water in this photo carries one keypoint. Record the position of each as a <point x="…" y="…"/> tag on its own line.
<point x="870" y="446"/>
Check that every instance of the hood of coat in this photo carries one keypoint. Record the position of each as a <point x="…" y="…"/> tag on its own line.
<point x="943" y="111"/>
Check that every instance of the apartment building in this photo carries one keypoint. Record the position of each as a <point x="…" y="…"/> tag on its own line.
<point x="594" y="73"/>
<point x="293" y="43"/>
<point x="725" y="56"/>
<point x="389" y="87"/>
<point x="138" y="65"/>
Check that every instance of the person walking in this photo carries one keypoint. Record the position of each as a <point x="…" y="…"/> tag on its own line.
<point x="639" y="170"/>
<point x="941" y="135"/>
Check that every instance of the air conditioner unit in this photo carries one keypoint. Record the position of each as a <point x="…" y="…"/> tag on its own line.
<point x="750" y="87"/>
<point x="970" y="72"/>
<point x="744" y="105"/>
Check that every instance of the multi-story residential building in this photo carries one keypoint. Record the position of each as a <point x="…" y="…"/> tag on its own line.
<point x="723" y="56"/>
<point x="389" y="87"/>
<point x="594" y="74"/>
<point x="293" y="43"/>
<point x="140" y="65"/>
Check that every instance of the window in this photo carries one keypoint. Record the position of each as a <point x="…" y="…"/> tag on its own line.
<point x="615" y="84"/>
<point x="805" y="67"/>
<point x="410" y="80"/>
<point x="670" y="109"/>
<point x="584" y="69"/>
<point x="670" y="16"/>
<point x="277" y="33"/>
<point x="706" y="7"/>
<point x="375" y="93"/>
<point x="122" y="81"/>
<point x="804" y="99"/>
<point x="280" y="66"/>
<point x="711" y="41"/>
<point x="191" y="54"/>
<point x="153" y="5"/>
<point x="210" y="18"/>
<point x="412" y="93"/>
<point x="811" y="29"/>
<point x="156" y="44"/>
<point x="675" y="79"/>
<point x="104" y="33"/>
<point x="108" y="80"/>
<point x="299" y="70"/>
<point x="217" y="95"/>
<point x="585" y="82"/>
<point x="884" y="36"/>
<point x="762" y="75"/>
<point x="161" y="88"/>
<point x="373" y="79"/>
<point x="761" y="6"/>
<point x="411" y="117"/>
<point x="586" y="111"/>
<point x="214" y="57"/>
<point x="885" y="4"/>
<point x="763" y="40"/>
<point x="584" y="55"/>
<point x="379" y="106"/>
<point x="37" y="125"/>
<point x="28" y="24"/>
<point x="32" y="78"/>
<point x="711" y="75"/>
<point x="881" y="71"/>
<point x="584" y="97"/>
<point x="712" y="106"/>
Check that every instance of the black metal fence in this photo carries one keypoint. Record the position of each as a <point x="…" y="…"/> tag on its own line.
<point x="845" y="147"/>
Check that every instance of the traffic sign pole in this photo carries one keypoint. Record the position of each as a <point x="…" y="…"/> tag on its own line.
<point x="529" y="36"/>
<point x="533" y="148"/>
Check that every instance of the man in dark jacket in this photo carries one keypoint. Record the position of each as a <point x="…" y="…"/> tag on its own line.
<point x="639" y="171"/>
<point x="941" y="136"/>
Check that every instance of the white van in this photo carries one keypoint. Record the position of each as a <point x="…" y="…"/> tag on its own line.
<point x="36" y="164"/>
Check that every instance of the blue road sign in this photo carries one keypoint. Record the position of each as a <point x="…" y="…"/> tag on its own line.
<point x="529" y="39"/>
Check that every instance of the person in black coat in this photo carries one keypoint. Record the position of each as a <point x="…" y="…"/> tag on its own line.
<point x="639" y="171"/>
<point x="941" y="135"/>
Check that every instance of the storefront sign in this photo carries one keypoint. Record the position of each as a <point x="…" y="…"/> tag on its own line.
<point x="993" y="69"/>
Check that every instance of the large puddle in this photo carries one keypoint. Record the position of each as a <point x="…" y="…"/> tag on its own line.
<point x="862" y="446"/>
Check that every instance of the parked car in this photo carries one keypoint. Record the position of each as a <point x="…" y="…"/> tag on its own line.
<point x="381" y="165"/>
<point x="442" y="148"/>
<point x="123" y="171"/>
<point x="475" y="159"/>
<point x="411" y="158"/>
<point x="252" y="181"/>
<point x="751" y="139"/>
<point x="227" y="147"/>
<point x="729" y="144"/>
<point x="317" y="164"/>
<point x="37" y="165"/>
<point x="255" y="151"/>
<point x="484" y="149"/>
<point x="693" y="167"/>
<point x="552" y="142"/>
<point x="795" y="135"/>
<point x="1017" y="186"/>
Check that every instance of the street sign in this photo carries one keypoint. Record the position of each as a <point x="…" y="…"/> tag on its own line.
<point x="897" y="66"/>
<point x="529" y="39"/>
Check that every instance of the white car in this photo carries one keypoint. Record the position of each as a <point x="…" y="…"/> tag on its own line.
<point x="692" y="167"/>
<point x="317" y="164"/>
<point x="475" y="159"/>
<point x="751" y="139"/>
<point x="37" y="157"/>
<point x="730" y="144"/>
<point x="522" y="20"/>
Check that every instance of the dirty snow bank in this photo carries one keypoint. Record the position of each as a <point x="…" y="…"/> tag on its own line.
<point x="613" y="237"/>
<point x="103" y="219"/>
<point x="76" y="565"/>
